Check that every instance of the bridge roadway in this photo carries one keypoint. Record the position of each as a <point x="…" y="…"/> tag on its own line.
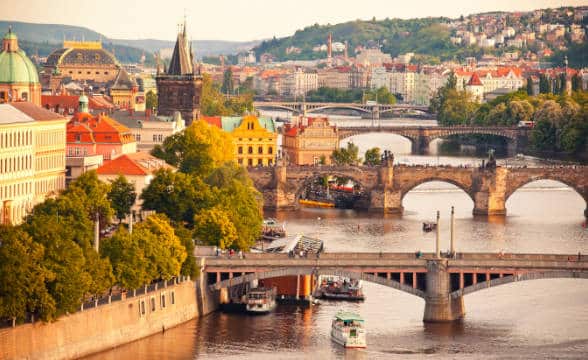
<point x="441" y="282"/>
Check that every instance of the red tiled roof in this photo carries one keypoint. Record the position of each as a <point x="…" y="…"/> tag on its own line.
<point x="213" y="120"/>
<point x="140" y="163"/>
<point x="98" y="129"/>
<point x="36" y="112"/>
<point x="72" y="101"/>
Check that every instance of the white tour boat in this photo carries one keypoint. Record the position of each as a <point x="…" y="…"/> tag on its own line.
<point x="348" y="330"/>
<point x="261" y="300"/>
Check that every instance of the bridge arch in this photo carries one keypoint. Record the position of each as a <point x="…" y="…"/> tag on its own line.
<point x="521" y="182"/>
<point x="338" y="106"/>
<point x="277" y="106"/>
<point x="355" y="275"/>
<point x="405" y="189"/>
<point x="559" y="274"/>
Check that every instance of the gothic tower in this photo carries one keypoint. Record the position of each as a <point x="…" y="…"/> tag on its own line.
<point x="180" y="87"/>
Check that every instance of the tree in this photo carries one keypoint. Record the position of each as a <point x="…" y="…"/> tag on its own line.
<point x="457" y="108"/>
<point x="92" y="195"/>
<point x="162" y="248"/>
<point x="151" y="100"/>
<point x="529" y="86"/>
<point x="122" y="196"/>
<point x="23" y="277"/>
<point x="189" y="266"/>
<point x="179" y="196"/>
<point x="346" y="156"/>
<point x="128" y="259"/>
<point x="199" y="149"/>
<point x="228" y="86"/>
<point x="373" y="157"/>
<point x="214" y="227"/>
<point x="544" y="86"/>
<point x="64" y="258"/>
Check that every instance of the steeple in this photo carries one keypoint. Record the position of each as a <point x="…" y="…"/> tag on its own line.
<point x="10" y="41"/>
<point x="181" y="60"/>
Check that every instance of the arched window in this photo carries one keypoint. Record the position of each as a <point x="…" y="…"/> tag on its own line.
<point x="250" y="150"/>
<point x="240" y="150"/>
<point x="260" y="150"/>
<point x="270" y="150"/>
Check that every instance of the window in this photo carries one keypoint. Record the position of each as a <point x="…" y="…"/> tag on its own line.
<point x="240" y="150"/>
<point x="250" y="150"/>
<point x="260" y="150"/>
<point x="142" y="307"/>
<point x="152" y="304"/>
<point x="162" y="300"/>
<point x="173" y="297"/>
<point x="270" y="162"/>
<point x="259" y="161"/>
<point x="24" y="96"/>
<point x="154" y="137"/>
<point x="240" y="161"/>
<point x="78" y="137"/>
<point x="250" y="162"/>
<point x="270" y="150"/>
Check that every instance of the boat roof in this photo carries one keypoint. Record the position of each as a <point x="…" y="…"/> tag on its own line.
<point x="348" y="315"/>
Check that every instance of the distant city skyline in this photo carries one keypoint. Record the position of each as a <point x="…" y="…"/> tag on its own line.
<point x="239" y="20"/>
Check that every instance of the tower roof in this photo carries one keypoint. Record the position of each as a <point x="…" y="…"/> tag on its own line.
<point x="123" y="81"/>
<point x="181" y="60"/>
<point x="475" y="81"/>
<point x="15" y="66"/>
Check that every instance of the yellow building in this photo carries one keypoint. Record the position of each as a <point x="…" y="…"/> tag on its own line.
<point x="124" y="91"/>
<point x="255" y="138"/>
<point x="310" y="141"/>
<point x="32" y="158"/>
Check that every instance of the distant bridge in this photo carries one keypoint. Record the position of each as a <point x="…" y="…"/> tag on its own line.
<point x="385" y="186"/>
<point x="373" y="109"/>
<point x="421" y="136"/>
<point x="441" y="282"/>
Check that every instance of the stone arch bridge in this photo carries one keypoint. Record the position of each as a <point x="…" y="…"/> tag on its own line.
<point x="441" y="282"/>
<point x="374" y="110"/>
<point x="385" y="186"/>
<point x="421" y="136"/>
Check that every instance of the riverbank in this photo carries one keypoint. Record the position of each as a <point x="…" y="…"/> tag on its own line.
<point x="103" y="327"/>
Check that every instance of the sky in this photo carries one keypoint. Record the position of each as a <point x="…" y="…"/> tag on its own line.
<point x="240" y="20"/>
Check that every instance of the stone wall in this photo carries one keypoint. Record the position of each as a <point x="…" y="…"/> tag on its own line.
<point x="104" y="327"/>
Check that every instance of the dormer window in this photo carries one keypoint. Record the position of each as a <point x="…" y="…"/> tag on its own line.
<point x="78" y="137"/>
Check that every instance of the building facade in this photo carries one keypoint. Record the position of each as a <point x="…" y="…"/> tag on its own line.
<point x="180" y="87"/>
<point x="32" y="158"/>
<point x="255" y="138"/>
<point x="81" y="61"/>
<point x="89" y="134"/>
<point x="310" y="142"/>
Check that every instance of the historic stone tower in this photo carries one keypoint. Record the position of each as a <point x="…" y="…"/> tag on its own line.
<point x="180" y="87"/>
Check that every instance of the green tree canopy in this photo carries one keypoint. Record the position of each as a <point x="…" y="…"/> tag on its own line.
<point x="373" y="156"/>
<point x="122" y="196"/>
<point x="23" y="277"/>
<point x="214" y="227"/>
<point x="346" y="156"/>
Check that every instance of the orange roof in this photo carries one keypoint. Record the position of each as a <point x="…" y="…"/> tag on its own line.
<point x="36" y="112"/>
<point x="140" y="163"/>
<point x="87" y="128"/>
<point x="213" y="120"/>
<point x="72" y="101"/>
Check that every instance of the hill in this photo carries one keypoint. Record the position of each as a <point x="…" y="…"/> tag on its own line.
<point x="429" y="36"/>
<point x="41" y="39"/>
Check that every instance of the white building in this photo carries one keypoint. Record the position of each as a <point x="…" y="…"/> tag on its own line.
<point x="299" y="82"/>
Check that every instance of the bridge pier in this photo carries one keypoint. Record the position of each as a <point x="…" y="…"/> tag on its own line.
<point x="439" y="305"/>
<point x="420" y="145"/>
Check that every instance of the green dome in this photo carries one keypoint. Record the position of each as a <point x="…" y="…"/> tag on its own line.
<point x="16" y="67"/>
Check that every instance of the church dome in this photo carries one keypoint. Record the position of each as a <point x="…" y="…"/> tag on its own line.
<point x="15" y="66"/>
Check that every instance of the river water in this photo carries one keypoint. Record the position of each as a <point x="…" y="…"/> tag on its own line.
<point x="541" y="319"/>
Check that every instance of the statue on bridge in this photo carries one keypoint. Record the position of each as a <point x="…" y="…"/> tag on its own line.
<point x="387" y="158"/>
<point x="491" y="162"/>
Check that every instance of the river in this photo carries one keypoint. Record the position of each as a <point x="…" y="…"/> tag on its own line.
<point x="541" y="319"/>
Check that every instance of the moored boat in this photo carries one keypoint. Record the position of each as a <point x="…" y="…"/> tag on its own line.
<point x="347" y="329"/>
<point x="261" y="300"/>
<point x="429" y="226"/>
<point x="337" y="289"/>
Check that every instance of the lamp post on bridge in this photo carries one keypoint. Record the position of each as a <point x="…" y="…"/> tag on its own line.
<point x="437" y="250"/>
<point x="452" y="226"/>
